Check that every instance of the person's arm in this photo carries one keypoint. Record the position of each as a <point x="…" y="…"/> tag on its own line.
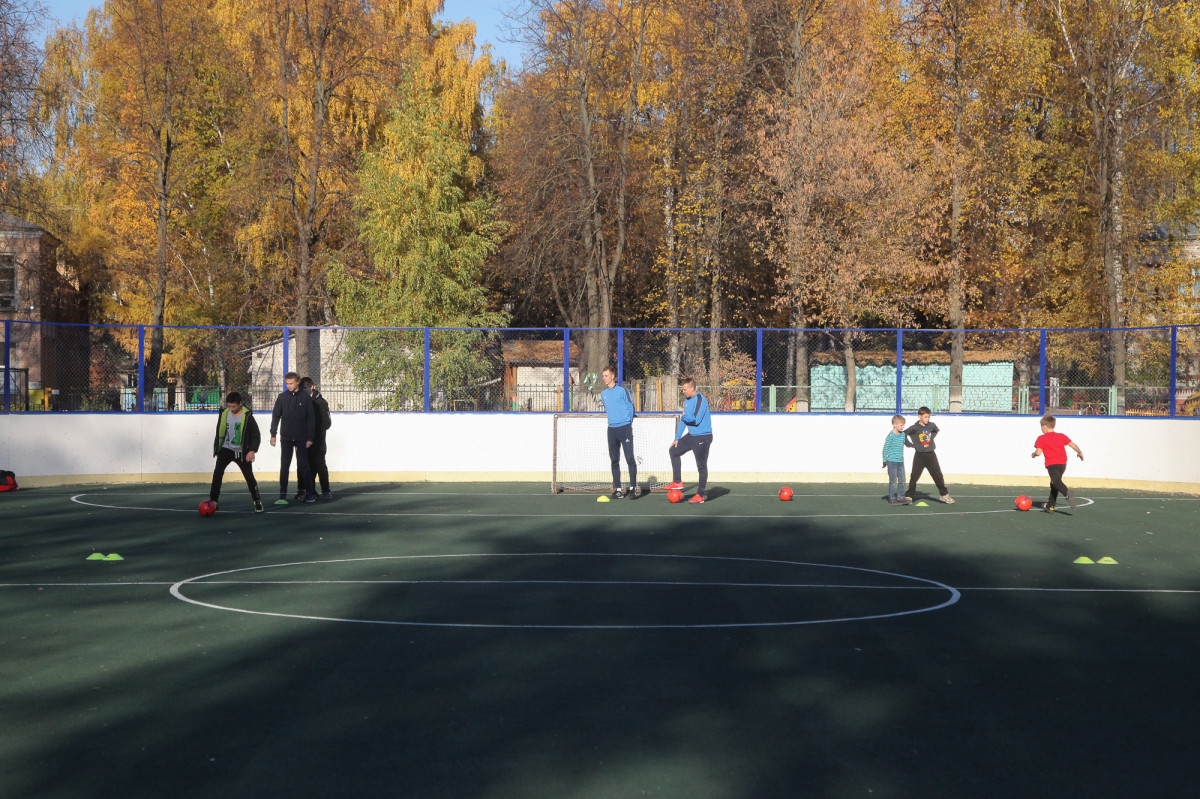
<point x="253" y="437"/>
<point x="276" y="415"/>
<point x="310" y="422"/>
<point x="684" y="417"/>
<point x="1078" y="451"/>
<point x="908" y="435"/>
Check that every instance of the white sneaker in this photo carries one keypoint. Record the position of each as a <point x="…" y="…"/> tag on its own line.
<point x="949" y="500"/>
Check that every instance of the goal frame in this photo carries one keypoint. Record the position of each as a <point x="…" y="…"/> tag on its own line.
<point x="556" y="486"/>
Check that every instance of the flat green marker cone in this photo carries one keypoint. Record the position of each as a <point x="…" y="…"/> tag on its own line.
<point x="1107" y="561"/>
<point x="1083" y="559"/>
<point x="281" y="502"/>
<point x="97" y="556"/>
<point x="114" y="556"/>
<point x="922" y="504"/>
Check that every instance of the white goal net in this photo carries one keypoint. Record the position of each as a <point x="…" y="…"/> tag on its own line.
<point x="581" y="461"/>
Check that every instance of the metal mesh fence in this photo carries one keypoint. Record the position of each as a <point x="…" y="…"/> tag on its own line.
<point x="724" y="364"/>
<point x="1187" y="371"/>
<point x="66" y="367"/>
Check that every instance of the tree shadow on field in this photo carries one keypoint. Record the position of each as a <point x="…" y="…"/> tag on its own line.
<point x="1000" y="694"/>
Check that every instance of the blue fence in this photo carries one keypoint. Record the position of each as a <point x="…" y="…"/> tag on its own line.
<point x="141" y="369"/>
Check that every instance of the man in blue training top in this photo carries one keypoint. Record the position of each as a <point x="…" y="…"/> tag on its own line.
<point x="696" y="423"/>
<point x="619" y="407"/>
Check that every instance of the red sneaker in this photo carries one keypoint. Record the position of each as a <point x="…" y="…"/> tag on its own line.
<point x="677" y="486"/>
<point x="697" y="499"/>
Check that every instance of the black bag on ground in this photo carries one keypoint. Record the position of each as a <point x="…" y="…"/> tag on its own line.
<point x="8" y="481"/>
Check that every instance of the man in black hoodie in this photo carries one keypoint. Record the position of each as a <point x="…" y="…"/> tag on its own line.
<point x="296" y="423"/>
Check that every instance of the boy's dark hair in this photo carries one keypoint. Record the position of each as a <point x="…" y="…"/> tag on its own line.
<point x="898" y="418"/>
<point x="291" y="376"/>
<point x="306" y="382"/>
<point x="1048" y="420"/>
<point x="234" y="397"/>
<point x="687" y="380"/>
<point x="922" y="410"/>
<point x="609" y="368"/>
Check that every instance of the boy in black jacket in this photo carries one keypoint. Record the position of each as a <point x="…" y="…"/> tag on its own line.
<point x="298" y="431"/>
<point x="316" y="453"/>
<point x="920" y="438"/>
<point x="237" y="441"/>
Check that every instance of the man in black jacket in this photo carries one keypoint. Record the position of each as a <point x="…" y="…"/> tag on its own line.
<point x="237" y="441"/>
<point x="294" y="421"/>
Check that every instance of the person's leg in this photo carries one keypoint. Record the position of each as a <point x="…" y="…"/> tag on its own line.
<point x="627" y="446"/>
<point x="224" y="456"/>
<point x="286" y="445"/>
<point x="1056" y="482"/>
<point x="935" y="471"/>
<point x="319" y="468"/>
<point x="677" y="452"/>
<point x="251" y="482"/>
<point x="701" y="447"/>
<point x="918" y="468"/>
<point x="614" y="455"/>
<point x="303" y="472"/>
<point x="895" y="480"/>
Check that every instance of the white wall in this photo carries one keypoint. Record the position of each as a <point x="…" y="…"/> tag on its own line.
<point x="52" y="448"/>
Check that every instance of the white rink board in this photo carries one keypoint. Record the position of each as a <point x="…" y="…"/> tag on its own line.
<point x="81" y="447"/>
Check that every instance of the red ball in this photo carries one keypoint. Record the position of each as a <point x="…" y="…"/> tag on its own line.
<point x="785" y="494"/>
<point x="1024" y="502"/>
<point x="208" y="507"/>
<point x="675" y="495"/>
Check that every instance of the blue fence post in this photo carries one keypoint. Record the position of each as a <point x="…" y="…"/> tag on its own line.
<point x="566" y="397"/>
<point x="1042" y="377"/>
<point x="428" y="361"/>
<point x="141" y="373"/>
<point x="7" y="369"/>
<point x="620" y="354"/>
<point x="899" y="368"/>
<point x="1170" y="391"/>
<point x="758" y="373"/>
<point x="286" y="353"/>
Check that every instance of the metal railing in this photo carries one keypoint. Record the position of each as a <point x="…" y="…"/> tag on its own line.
<point x="97" y="368"/>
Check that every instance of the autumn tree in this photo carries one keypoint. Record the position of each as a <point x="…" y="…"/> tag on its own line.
<point x="20" y="61"/>
<point x="428" y="229"/>
<point x="133" y="107"/>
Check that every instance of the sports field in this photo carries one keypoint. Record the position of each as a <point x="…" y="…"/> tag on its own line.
<point x="501" y="642"/>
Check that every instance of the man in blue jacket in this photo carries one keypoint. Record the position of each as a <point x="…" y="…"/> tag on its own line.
<point x="294" y="420"/>
<point x="698" y="427"/>
<point x="619" y="407"/>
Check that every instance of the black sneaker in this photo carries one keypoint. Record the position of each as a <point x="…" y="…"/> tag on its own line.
<point x="327" y="495"/>
<point x="618" y="493"/>
<point x="310" y="498"/>
<point x="258" y="508"/>
<point x="299" y="496"/>
<point x="633" y="492"/>
<point x="1047" y="509"/>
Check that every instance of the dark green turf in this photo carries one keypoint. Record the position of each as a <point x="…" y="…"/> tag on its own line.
<point x="1046" y="678"/>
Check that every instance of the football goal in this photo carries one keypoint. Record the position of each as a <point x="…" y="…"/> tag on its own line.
<point x="581" y="460"/>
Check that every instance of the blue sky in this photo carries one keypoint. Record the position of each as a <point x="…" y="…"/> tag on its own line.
<point x="487" y="14"/>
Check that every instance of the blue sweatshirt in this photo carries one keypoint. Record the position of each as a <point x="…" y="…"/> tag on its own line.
<point x="695" y="417"/>
<point x="618" y="405"/>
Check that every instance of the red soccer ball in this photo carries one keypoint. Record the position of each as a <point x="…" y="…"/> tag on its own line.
<point x="208" y="507"/>
<point x="785" y="494"/>
<point x="1024" y="502"/>
<point x="675" y="495"/>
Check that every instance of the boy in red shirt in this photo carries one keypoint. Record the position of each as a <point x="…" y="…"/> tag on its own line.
<point x="1054" y="446"/>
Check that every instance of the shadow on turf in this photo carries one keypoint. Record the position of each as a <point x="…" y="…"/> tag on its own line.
<point x="1008" y="694"/>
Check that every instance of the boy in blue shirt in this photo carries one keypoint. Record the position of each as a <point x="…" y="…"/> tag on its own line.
<point x="619" y="407"/>
<point x="893" y="461"/>
<point x="696" y="423"/>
